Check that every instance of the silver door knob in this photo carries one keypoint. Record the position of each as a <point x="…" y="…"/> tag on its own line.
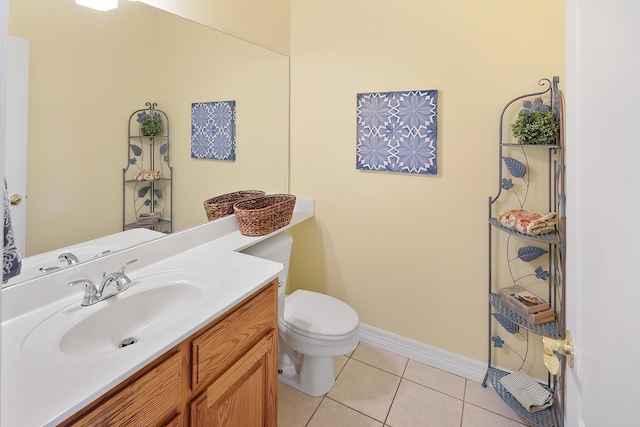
<point x="15" y="199"/>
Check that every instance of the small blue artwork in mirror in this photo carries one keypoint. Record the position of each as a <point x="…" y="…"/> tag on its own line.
<point x="213" y="130"/>
<point x="397" y="131"/>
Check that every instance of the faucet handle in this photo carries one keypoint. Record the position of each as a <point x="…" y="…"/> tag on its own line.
<point x="103" y="253"/>
<point x="127" y="265"/>
<point x="47" y="270"/>
<point x="90" y="291"/>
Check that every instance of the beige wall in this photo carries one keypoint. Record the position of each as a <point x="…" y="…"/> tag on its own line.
<point x="265" y="22"/>
<point x="409" y="252"/>
<point x="91" y="70"/>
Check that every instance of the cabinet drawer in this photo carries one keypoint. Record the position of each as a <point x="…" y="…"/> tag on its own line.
<point x="144" y="402"/>
<point x="212" y="351"/>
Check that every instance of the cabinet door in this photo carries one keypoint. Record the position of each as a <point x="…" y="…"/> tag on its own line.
<point x="219" y="345"/>
<point x="245" y="395"/>
<point x="144" y="402"/>
<point x="177" y="421"/>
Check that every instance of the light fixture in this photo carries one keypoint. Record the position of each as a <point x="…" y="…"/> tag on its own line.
<point x="101" y="5"/>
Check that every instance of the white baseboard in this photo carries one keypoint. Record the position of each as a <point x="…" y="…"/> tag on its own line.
<point x="424" y="353"/>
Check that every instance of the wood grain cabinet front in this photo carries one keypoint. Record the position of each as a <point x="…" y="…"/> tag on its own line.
<point x="245" y="394"/>
<point x="224" y="375"/>
<point x="145" y="402"/>
<point x="217" y="347"/>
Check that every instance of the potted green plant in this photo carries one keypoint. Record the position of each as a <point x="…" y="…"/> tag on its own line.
<point x="536" y="124"/>
<point x="150" y="125"/>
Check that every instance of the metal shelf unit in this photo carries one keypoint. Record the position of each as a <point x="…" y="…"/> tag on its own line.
<point x="147" y="153"/>
<point x="501" y="319"/>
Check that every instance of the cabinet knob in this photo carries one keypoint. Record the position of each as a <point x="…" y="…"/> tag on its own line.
<point x="564" y="347"/>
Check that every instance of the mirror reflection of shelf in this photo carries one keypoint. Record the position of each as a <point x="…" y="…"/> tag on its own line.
<point x="148" y="202"/>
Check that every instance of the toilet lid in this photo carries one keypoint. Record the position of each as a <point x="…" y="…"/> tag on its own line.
<point x="314" y="314"/>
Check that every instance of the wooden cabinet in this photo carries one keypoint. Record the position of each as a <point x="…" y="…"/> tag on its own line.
<point x="214" y="349"/>
<point x="224" y="375"/>
<point x="145" y="401"/>
<point x="244" y="394"/>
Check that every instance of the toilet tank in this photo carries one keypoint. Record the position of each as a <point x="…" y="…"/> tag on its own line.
<point x="276" y="248"/>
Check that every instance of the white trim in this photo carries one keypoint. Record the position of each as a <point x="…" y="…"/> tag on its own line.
<point x="424" y="353"/>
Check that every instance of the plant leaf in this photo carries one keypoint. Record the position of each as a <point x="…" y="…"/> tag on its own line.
<point x="136" y="150"/>
<point x="158" y="193"/>
<point x="163" y="148"/>
<point x="143" y="191"/>
<point x="517" y="169"/>
<point x="529" y="253"/>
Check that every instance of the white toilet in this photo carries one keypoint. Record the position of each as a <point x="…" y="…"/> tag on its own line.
<point x="313" y="327"/>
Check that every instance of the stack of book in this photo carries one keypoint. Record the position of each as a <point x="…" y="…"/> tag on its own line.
<point x="149" y="218"/>
<point x="528" y="305"/>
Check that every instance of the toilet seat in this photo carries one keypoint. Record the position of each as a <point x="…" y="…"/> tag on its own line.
<point x="319" y="316"/>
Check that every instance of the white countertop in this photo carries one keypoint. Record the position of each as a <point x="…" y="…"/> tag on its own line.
<point x="45" y="389"/>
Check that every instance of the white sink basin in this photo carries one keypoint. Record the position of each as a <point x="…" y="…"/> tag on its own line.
<point x="150" y="306"/>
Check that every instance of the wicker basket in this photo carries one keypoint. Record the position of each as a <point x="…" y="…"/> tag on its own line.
<point x="221" y="206"/>
<point x="264" y="215"/>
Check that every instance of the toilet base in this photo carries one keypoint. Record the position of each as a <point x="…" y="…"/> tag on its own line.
<point x="316" y="377"/>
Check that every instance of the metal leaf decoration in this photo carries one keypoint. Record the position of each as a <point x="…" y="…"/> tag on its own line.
<point x="143" y="191"/>
<point x="497" y="341"/>
<point x="507" y="324"/>
<point x="506" y="184"/>
<point x="163" y="148"/>
<point x="136" y="150"/>
<point x="541" y="274"/>
<point x="529" y="253"/>
<point x="516" y="168"/>
<point x="158" y="193"/>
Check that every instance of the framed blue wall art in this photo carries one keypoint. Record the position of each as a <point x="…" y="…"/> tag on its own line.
<point x="213" y="130"/>
<point x="396" y="131"/>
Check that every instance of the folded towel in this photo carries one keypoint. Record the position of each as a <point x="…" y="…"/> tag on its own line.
<point x="11" y="262"/>
<point x="527" y="391"/>
<point x="528" y="223"/>
<point x="145" y="175"/>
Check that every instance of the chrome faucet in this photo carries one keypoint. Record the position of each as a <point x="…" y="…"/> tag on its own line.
<point x="93" y="295"/>
<point x="70" y="258"/>
<point x="119" y="278"/>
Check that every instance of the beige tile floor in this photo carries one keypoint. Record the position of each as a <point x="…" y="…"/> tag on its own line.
<point x="376" y="388"/>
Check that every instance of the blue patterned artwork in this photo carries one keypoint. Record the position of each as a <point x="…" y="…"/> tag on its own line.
<point x="213" y="130"/>
<point x="397" y="131"/>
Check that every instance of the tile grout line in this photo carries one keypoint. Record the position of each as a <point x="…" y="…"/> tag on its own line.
<point x="325" y="396"/>
<point x="386" y="418"/>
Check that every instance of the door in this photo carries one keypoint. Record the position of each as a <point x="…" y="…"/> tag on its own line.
<point x="245" y="395"/>
<point x="603" y="240"/>
<point x="15" y="158"/>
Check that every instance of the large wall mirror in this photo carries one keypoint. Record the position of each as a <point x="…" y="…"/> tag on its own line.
<point x="90" y="70"/>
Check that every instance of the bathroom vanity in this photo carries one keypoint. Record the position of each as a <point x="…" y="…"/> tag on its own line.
<point x="224" y="375"/>
<point x="207" y="354"/>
